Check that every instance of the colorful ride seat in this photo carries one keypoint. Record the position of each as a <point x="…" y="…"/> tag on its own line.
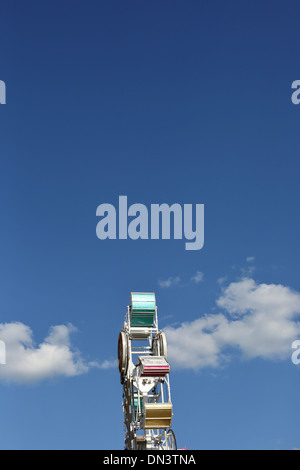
<point x="136" y="402"/>
<point x="157" y="415"/>
<point x="153" y="366"/>
<point x="140" y="334"/>
<point x="142" y="309"/>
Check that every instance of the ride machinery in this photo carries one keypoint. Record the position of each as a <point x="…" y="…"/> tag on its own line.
<point x="144" y="373"/>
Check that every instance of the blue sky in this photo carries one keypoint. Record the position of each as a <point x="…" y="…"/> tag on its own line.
<point x="186" y="102"/>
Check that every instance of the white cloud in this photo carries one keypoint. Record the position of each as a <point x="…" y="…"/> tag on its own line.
<point x="248" y="271"/>
<point x="26" y="362"/>
<point x="192" y="346"/>
<point x="222" y="280"/>
<point x="250" y="259"/>
<point x="260" y="321"/>
<point x="198" y="277"/>
<point x="107" y="364"/>
<point x="172" y="281"/>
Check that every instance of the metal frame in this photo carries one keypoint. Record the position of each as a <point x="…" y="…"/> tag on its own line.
<point x="139" y="390"/>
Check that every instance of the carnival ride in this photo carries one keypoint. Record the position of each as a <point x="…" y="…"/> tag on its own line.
<point x="144" y="374"/>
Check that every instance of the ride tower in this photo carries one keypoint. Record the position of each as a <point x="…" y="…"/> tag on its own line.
<point x="144" y="373"/>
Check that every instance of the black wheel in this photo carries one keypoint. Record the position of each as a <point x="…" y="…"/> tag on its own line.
<point x="123" y="352"/>
<point x="159" y="345"/>
<point x="163" y="345"/>
<point x="171" y="443"/>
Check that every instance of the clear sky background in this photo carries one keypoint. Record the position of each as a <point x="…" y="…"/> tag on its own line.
<point x="173" y="101"/>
